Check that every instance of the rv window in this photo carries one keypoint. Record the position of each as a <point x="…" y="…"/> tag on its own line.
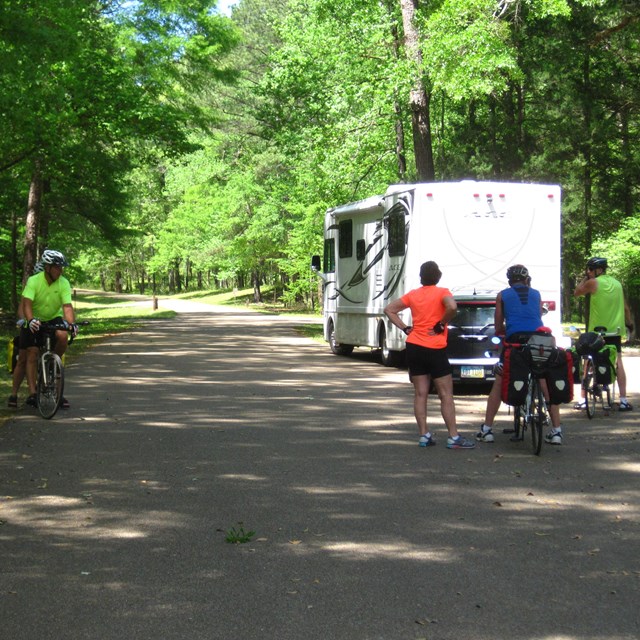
<point x="329" y="255"/>
<point x="360" y="249"/>
<point x="345" y="239"/>
<point x="396" y="230"/>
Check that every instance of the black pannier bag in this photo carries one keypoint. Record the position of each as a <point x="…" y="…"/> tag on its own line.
<point x="605" y="364"/>
<point x="589" y="343"/>
<point x="515" y="374"/>
<point x="560" y="377"/>
<point x="575" y="356"/>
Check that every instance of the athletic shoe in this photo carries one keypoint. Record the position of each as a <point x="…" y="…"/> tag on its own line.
<point x="32" y="400"/>
<point x="426" y="441"/>
<point x="460" y="443"/>
<point x="580" y="405"/>
<point x="553" y="437"/>
<point x="12" y="402"/>
<point x="484" y="435"/>
<point x="625" y="406"/>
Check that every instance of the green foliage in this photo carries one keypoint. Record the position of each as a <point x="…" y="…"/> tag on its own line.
<point x="622" y="251"/>
<point x="183" y="150"/>
<point x="239" y="535"/>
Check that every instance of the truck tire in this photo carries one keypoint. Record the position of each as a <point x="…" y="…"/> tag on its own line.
<point x="337" y="348"/>
<point x="388" y="357"/>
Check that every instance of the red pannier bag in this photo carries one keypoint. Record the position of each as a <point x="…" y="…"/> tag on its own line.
<point x="515" y="373"/>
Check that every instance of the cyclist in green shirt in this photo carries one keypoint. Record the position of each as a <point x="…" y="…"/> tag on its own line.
<point x="46" y="296"/>
<point x="607" y="309"/>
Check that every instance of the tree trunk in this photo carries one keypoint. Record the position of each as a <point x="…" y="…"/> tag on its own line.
<point x="587" y="183"/>
<point x="628" y="172"/>
<point x="401" y="158"/>
<point x="257" y="296"/>
<point x="178" y="278"/>
<point x="419" y="96"/>
<point x="14" y="263"/>
<point x="34" y="207"/>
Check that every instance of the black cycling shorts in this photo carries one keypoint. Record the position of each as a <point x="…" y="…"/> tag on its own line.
<point x="427" y="362"/>
<point x="28" y="339"/>
<point x="616" y="341"/>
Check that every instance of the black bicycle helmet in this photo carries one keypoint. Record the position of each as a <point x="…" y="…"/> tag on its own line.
<point x="590" y="342"/>
<point x="51" y="256"/>
<point x="517" y="273"/>
<point x="597" y="263"/>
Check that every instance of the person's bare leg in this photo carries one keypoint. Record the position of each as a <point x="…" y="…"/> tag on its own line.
<point x="494" y="400"/>
<point x="622" y="377"/>
<point x="19" y="372"/>
<point x="62" y="339"/>
<point x="421" y="393"/>
<point x="444" y="387"/>
<point x="32" y="361"/>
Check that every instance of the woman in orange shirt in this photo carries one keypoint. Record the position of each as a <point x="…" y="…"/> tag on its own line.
<point x="431" y="309"/>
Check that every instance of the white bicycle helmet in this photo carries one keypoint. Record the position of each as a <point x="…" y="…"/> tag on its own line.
<point x="38" y="267"/>
<point x="517" y="273"/>
<point x="50" y="256"/>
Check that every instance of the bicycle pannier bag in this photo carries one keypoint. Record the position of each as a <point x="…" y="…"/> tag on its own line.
<point x="12" y="353"/>
<point x="560" y="378"/>
<point x="590" y="342"/>
<point x="542" y="348"/>
<point x="605" y="364"/>
<point x="575" y="356"/>
<point x="515" y="373"/>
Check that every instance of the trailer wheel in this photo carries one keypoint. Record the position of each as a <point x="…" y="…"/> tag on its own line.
<point x="337" y="348"/>
<point x="388" y="357"/>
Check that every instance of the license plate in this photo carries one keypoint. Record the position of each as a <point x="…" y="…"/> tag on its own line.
<point x="472" y="372"/>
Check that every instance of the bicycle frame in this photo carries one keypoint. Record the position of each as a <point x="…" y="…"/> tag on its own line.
<point x="532" y="415"/>
<point x="592" y="391"/>
<point x="50" y="380"/>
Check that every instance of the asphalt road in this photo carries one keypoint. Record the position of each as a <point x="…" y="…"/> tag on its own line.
<point x="113" y="515"/>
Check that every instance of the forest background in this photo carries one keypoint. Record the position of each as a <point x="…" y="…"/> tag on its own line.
<point x="165" y="146"/>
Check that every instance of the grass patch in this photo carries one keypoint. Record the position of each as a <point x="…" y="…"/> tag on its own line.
<point x="239" y="535"/>
<point x="313" y="331"/>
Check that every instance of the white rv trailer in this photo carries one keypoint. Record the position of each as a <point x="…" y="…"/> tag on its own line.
<point x="373" y="250"/>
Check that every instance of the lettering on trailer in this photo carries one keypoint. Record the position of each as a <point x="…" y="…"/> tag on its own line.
<point x="490" y="211"/>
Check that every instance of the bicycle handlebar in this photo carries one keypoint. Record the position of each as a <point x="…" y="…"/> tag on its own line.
<point x="59" y="326"/>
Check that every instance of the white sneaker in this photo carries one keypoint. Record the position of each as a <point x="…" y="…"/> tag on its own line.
<point x="553" y="437"/>
<point x="484" y="435"/>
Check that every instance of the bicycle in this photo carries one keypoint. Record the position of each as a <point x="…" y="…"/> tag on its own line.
<point x="533" y="414"/>
<point x="50" y="378"/>
<point x="593" y="391"/>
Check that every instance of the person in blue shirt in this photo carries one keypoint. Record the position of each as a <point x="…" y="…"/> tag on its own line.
<point x="518" y="314"/>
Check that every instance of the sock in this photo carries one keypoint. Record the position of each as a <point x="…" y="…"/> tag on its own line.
<point x="486" y="427"/>
<point x="456" y="438"/>
<point x="428" y="434"/>
<point x="623" y="400"/>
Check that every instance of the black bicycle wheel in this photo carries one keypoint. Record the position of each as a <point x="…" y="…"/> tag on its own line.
<point x="589" y="387"/>
<point x="50" y="384"/>
<point x="538" y="416"/>
<point x="518" y="424"/>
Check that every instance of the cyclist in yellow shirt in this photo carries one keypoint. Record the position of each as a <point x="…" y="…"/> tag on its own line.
<point x="607" y="309"/>
<point x="46" y="296"/>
